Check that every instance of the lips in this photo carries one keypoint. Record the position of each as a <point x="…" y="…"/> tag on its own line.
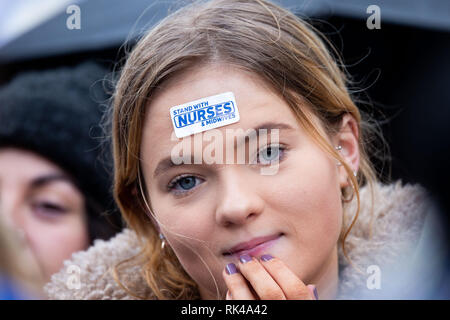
<point x="253" y="246"/>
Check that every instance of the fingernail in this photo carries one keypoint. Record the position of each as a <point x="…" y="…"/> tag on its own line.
<point x="316" y="295"/>
<point x="245" y="258"/>
<point x="266" y="257"/>
<point x="231" y="268"/>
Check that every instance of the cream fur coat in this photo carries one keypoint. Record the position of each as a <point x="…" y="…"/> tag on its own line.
<point x="392" y="249"/>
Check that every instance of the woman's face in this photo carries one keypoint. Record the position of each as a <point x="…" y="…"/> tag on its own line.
<point x="37" y="197"/>
<point x="217" y="207"/>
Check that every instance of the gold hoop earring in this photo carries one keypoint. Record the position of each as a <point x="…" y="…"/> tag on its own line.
<point x="347" y="200"/>
<point x="353" y="192"/>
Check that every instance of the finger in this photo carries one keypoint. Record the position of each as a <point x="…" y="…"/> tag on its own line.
<point x="293" y="288"/>
<point x="261" y="281"/>
<point x="237" y="286"/>
<point x="229" y="297"/>
<point x="313" y="291"/>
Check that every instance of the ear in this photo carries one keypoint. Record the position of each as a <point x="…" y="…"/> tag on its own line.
<point x="347" y="138"/>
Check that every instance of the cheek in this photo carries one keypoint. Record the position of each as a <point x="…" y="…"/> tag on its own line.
<point x="308" y="189"/>
<point x="186" y="220"/>
<point x="54" y="242"/>
<point x="195" y="229"/>
<point x="319" y="199"/>
<point x="308" y="201"/>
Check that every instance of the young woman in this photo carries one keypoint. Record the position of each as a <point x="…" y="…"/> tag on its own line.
<point x="54" y="188"/>
<point x="216" y="230"/>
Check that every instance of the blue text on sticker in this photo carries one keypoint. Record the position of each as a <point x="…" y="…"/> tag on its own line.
<point x="204" y="114"/>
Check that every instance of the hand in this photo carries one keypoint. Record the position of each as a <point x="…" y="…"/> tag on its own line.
<point x="18" y="261"/>
<point x="265" y="279"/>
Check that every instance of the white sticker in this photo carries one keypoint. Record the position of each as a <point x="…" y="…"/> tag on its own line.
<point x="204" y="114"/>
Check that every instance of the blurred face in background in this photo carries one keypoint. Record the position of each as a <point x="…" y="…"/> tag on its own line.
<point x="39" y="199"/>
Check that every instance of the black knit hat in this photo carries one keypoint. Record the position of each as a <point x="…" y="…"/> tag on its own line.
<point x="57" y="114"/>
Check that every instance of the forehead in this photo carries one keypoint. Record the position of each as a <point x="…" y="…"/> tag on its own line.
<point x="27" y="169"/>
<point x="25" y="163"/>
<point x="256" y="102"/>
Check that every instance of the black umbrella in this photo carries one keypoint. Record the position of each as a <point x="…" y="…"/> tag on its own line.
<point x="108" y="23"/>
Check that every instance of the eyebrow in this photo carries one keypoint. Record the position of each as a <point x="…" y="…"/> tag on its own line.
<point x="167" y="163"/>
<point x="44" y="180"/>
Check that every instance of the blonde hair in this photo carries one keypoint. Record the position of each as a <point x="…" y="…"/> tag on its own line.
<point x="257" y="36"/>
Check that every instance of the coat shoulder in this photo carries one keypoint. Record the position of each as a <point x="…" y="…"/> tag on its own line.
<point x="88" y="275"/>
<point x="386" y="232"/>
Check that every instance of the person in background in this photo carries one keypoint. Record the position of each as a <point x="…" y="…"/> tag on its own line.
<point x="54" y="172"/>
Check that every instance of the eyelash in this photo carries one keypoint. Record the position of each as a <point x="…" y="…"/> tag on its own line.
<point x="173" y="182"/>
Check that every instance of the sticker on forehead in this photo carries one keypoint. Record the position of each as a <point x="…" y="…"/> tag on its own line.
<point x="204" y="114"/>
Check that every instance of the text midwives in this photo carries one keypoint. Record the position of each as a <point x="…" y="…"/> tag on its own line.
<point x="203" y="113"/>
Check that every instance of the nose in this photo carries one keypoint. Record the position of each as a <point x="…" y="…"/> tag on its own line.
<point x="238" y="200"/>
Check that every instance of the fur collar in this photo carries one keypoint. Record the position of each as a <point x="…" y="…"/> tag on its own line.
<point x="397" y="224"/>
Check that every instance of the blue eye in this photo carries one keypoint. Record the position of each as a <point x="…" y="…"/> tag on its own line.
<point x="182" y="184"/>
<point x="270" y="154"/>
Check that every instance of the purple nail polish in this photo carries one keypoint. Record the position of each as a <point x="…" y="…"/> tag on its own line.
<point x="245" y="258"/>
<point x="266" y="257"/>
<point x="231" y="268"/>
<point x="315" y="293"/>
